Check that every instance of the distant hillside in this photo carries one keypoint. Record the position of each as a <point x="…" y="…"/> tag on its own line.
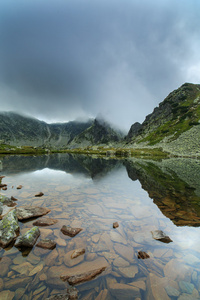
<point x="21" y="130"/>
<point x="98" y="133"/>
<point x="18" y="130"/>
<point x="174" y="125"/>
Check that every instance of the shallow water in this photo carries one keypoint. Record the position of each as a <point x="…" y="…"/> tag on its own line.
<point x="141" y="195"/>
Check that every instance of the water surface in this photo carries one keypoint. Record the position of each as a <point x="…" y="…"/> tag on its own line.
<point x="92" y="193"/>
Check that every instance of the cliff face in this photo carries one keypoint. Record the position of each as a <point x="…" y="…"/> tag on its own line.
<point x="174" y="125"/>
<point x="179" y="112"/>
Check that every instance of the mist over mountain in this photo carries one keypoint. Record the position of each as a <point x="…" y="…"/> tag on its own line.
<point x="173" y="126"/>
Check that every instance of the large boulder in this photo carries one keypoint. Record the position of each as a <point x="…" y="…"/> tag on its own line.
<point x="9" y="227"/>
<point x="29" y="238"/>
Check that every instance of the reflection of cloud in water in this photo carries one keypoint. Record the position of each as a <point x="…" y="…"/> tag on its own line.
<point x="187" y="237"/>
<point x="49" y="172"/>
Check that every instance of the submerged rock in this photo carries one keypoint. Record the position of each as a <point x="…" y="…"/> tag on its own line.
<point x="45" y="222"/>
<point x="72" y="294"/>
<point x="160" y="236"/>
<point x="46" y="244"/>
<point x="143" y="255"/>
<point x="82" y="277"/>
<point x="67" y="230"/>
<point x="77" y="252"/>
<point x="27" y="212"/>
<point x="8" y="228"/>
<point x="29" y="238"/>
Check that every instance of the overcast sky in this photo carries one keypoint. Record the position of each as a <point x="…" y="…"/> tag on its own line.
<point x="66" y="59"/>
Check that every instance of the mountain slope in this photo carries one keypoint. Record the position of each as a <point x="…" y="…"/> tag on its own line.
<point x="98" y="133"/>
<point x="18" y="130"/>
<point x="173" y="124"/>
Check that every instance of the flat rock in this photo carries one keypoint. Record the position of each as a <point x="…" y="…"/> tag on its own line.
<point x="103" y="295"/>
<point x="36" y="270"/>
<point x="186" y="287"/>
<point x="116" y="237"/>
<point x="161" y="236"/>
<point x="51" y="257"/>
<point x="1" y="284"/>
<point x="124" y="291"/>
<point x="45" y="222"/>
<point x="29" y="238"/>
<point x="70" y="262"/>
<point x="177" y="270"/>
<point x="129" y="272"/>
<point x="27" y="212"/>
<point x="23" y="269"/>
<point x="126" y="252"/>
<point x="171" y="291"/>
<point x="77" y="252"/>
<point x="67" y="230"/>
<point x="120" y="262"/>
<point x="72" y="294"/>
<point x="5" y="263"/>
<point x="82" y="277"/>
<point x="9" y="226"/>
<point x="46" y="244"/>
<point x="156" y="286"/>
<point x="13" y="284"/>
<point x="7" y="295"/>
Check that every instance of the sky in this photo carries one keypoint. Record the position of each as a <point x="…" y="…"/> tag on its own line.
<point x="63" y="60"/>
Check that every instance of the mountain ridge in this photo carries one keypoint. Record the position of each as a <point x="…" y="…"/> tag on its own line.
<point x="173" y="127"/>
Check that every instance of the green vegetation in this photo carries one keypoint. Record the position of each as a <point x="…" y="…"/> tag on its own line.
<point x="118" y="152"/>
<point x="184" y="115"/>
<point x="8" y="149"/>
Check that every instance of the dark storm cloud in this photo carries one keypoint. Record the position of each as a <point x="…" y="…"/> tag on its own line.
<point x="63" y="59"/>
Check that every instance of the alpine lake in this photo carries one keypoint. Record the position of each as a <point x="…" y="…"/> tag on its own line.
<point x="146" y="197"/>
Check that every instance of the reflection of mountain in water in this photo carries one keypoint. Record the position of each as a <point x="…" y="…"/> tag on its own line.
<point x="73" y="164"/>
<point x="173" y="184"/>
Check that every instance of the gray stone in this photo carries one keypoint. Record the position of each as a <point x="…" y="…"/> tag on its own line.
<point x="29" y="238"/>
<point x="46" y="244"/>
<point x="123" y="291"/>
<point x="187" y="297"/>
<point x="27" y="212"/>
<point x="171" y="291"/>
<point x="67" y="230"/>
<point x="8" y="228"/>
<point x="186" y="287"/>
<point x="72" y="294"/>
<point x="45" y="222"/>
